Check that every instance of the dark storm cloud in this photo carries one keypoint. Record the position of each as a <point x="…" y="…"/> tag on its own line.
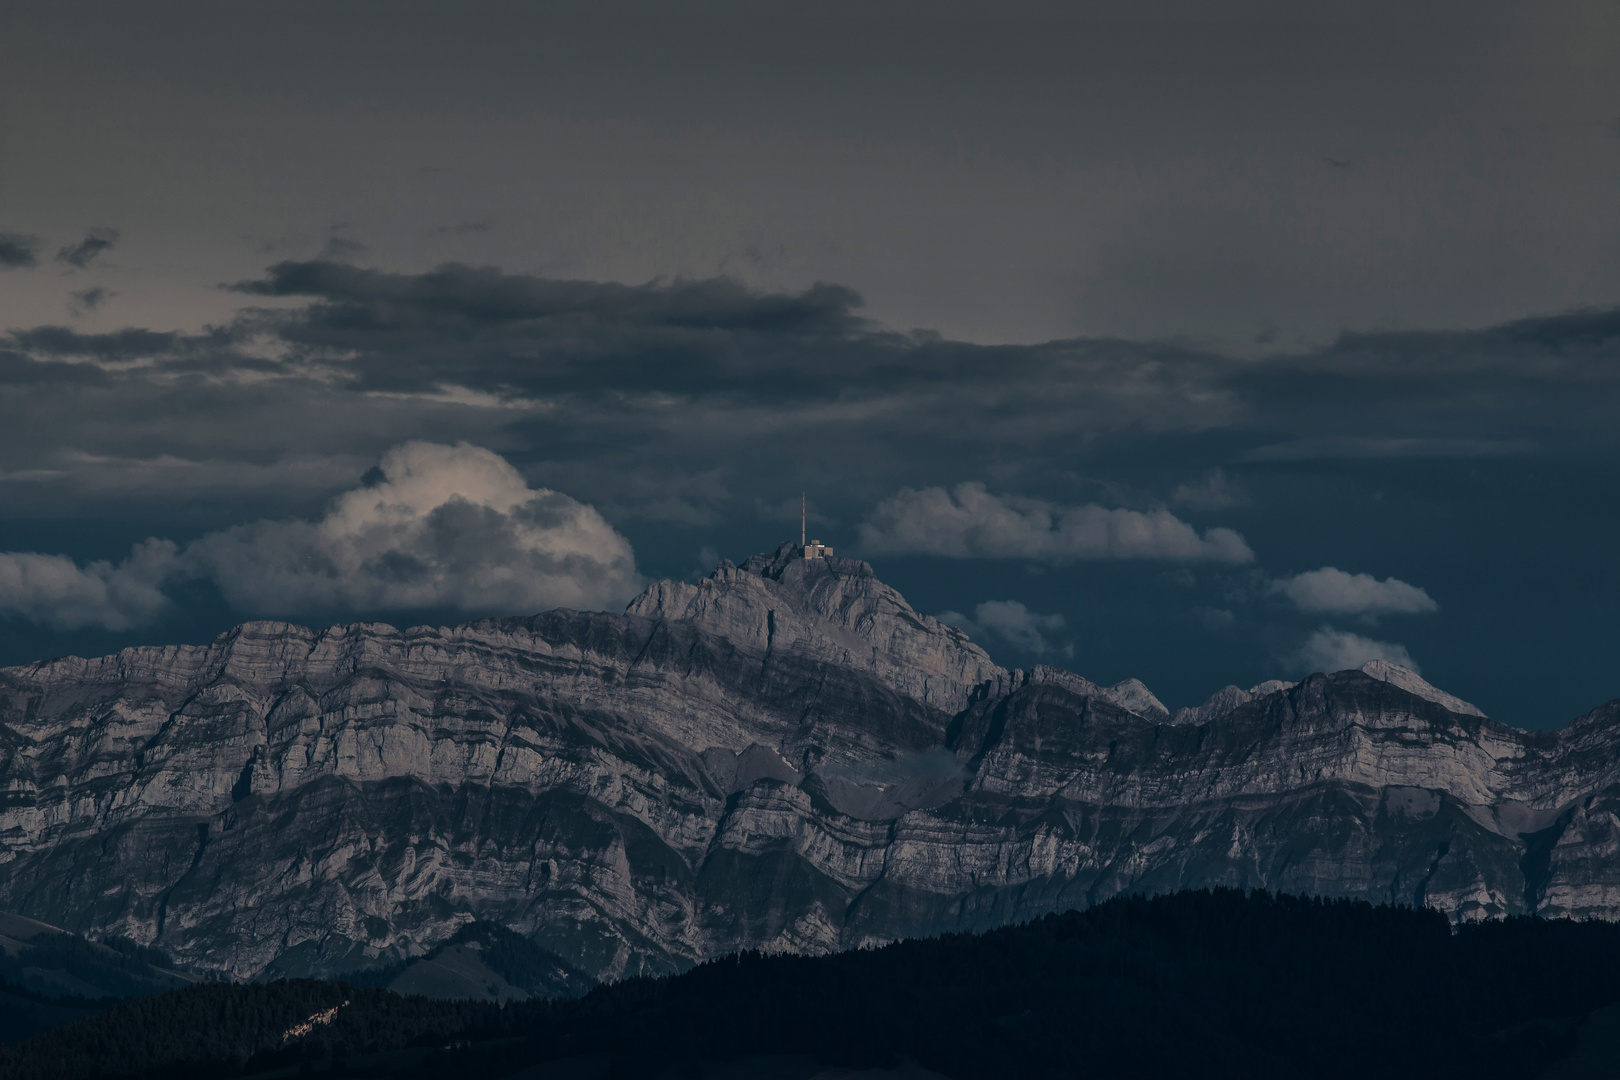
<point x="718" y="343"/>
<point x="120" y="345"/>
<point x="676" y="400"/>
<point x="17" y="369"/>
<point x="1503" y="391"/>
<point x="95" y="243"/>
<point x="18" y="251"/>
<point x="1576" y="344"/>
<point x="454" y="294"/>
<point x="1489" y="392"/>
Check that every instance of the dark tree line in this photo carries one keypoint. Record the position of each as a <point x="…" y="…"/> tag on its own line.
<point x="25" y="1013"/>
<point x="1212" y="984"/>
<point x="232" y="1029"/>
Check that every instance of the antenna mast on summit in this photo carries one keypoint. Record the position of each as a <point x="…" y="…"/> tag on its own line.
<point x="817" y="550"/>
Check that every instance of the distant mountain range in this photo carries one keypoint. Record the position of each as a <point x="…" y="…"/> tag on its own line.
<point x="783" y="756"/>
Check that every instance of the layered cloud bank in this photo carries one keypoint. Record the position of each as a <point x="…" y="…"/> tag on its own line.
<point x="969" y="522"/>
<point x="676" y="400"/>
<point x="435" y="527"/>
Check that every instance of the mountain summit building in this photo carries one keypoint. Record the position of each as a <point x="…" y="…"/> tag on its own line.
<point x="815" y="549"/>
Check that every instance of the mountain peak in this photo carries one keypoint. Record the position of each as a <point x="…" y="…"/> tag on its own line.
<point x="1130" y="695"/>
<point x="1135" y="696"/>
<point x="1412" y="683"/>
<point x="827" y="610"/>
<point x="1227" y="699"/>
<point x="790" y="557"/>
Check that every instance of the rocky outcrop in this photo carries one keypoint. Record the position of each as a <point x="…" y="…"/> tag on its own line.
<point x="1225" y="700"/>
<point x="1229" y="698"/>
<point x="829" y="611"/>
<point x="1409" y="680"/>
<point x="783" y="756"/>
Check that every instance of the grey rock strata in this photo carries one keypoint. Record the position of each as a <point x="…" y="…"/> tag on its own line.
<point x="784" y="756"/>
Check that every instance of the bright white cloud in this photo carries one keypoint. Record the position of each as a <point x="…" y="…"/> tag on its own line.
<point x="1336" y="650"/>
<point x="1010" y="621"/>
<point x="56" y="591"/>
<point x="442" y="527"/>
<point x="1330" y="591"/>
<point x="969" y="522"/>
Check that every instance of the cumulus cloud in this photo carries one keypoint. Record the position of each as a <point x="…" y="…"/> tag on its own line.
<point x="86" y="251"/>
<point x="438" y="526"/>
<point x="59" y="593"/>
<point x="1331" y="591"/>
<point x="969" y="522"/>
<point x="1328" y="649"/>
<point x="1010" y="621"/>
<point x="434" y="526"/>
<point x="18" y="251"/>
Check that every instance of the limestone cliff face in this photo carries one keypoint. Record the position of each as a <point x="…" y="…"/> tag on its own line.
<point x="830" y="611"/>
<point x="782" y="756"/>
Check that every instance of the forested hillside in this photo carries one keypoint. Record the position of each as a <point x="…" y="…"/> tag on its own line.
<point x="49" y="977"/>
<point x="1199" y="983"/>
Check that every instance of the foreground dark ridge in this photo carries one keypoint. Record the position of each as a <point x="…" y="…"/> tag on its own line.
<point x="784" y="756"/>
<point x="49" y="978"/>
<point x="1200" y="984"/>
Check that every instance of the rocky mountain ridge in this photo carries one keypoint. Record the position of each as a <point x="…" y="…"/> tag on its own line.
<point x="784" y="755"/>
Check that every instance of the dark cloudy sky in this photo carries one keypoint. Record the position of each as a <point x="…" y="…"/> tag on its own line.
<point x="1202" y="343"/>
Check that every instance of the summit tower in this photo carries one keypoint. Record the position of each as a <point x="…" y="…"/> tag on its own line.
<point x="813" y="549"/>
